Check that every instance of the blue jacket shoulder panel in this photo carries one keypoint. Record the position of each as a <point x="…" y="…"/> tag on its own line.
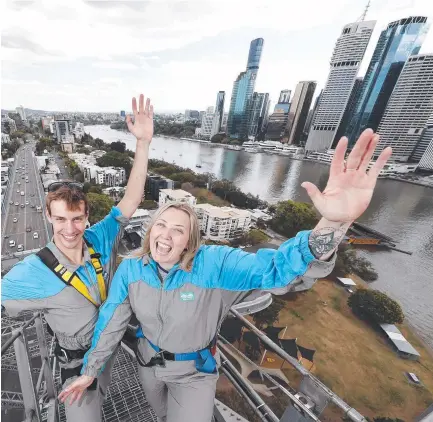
<point x="30" y="279"/>
<point x="103" y="234"/>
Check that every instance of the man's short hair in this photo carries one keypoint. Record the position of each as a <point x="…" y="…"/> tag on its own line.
<point x="72" y="196"/>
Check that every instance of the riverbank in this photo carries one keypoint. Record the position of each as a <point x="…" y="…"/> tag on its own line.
<point x="352" y="358"/>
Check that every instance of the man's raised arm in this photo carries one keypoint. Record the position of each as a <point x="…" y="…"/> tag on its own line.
<point x="142" y="129"/>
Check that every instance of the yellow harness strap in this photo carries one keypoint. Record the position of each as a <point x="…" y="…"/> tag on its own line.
<point x="72" y="279"/>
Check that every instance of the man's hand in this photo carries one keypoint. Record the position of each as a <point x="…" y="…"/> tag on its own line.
<point x="350" y="188"/>
<point x="142" y="128"/>
<point x="76" y="389"/>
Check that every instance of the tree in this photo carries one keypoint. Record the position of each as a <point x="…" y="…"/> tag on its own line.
<point x="99" y="206"/>
<point x="261" y="224"/>
<point x="98" y="142"/>
<point x="375" y="306"/>
<point x="255" y="237"/>
<point x="95" y="189"/>
<point x="86" y="187"/>
<point x="219" y="138"/>
<point x="148" y="204"/>
<point x="79" y="176"/>
<point x="349" y="262"/>
<point x="115" y="159"/>
<point x="269" y="315"/>
<point x="290" y="217"/>
<point x="118" y="146"/>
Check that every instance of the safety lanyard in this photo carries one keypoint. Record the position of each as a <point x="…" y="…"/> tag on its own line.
<point x="72" y="279"/>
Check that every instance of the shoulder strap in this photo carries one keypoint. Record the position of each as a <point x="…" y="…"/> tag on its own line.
<point x="70" y="279"/>
<point x="96" y="262"/>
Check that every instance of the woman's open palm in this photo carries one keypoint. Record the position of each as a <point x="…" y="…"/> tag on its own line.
<point x="350" y="187"/>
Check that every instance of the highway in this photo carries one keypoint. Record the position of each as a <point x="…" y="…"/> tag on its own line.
<point x="29" y="220"/>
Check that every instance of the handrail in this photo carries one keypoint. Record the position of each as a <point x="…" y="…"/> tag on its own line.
<point x="350" y="412"/>
<point x="19" y="332"/>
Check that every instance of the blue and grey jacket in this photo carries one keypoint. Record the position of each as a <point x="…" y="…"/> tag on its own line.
<point x="30" y="285"/>
<point x="182" y="313"/>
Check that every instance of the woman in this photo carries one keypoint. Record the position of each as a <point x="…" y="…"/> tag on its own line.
<point x="181" y="291"/>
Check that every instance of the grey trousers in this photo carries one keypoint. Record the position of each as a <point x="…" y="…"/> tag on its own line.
<point x="178" y="392"/>
<point x="89" y="407"/>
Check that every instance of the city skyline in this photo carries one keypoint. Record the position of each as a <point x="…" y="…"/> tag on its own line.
<point x="54" y="73"/>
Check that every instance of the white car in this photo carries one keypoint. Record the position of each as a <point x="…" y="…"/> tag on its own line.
<point x="27" y="202"/>
<point x="16" y="204"/>
<point x="39" y="209"/>
<point x="18" y="191"/>
<point x="12" y="243"/>
<point x="15" y="219"/>
<point x="35" y="235"/>
<point x="20" y="248"/>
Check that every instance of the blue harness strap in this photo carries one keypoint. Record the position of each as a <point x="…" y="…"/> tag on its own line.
<point x="204" y="360"/>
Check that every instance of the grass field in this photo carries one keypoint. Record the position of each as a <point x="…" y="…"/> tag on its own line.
<point x="354" y="359"/>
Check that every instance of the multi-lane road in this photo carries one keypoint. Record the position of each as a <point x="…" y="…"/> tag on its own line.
<point x="30" y="229"/>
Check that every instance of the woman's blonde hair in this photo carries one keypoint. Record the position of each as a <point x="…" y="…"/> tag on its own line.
<point x="194" y="240"/>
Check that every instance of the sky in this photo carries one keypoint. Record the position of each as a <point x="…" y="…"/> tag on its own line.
<point x="66" y="55"/>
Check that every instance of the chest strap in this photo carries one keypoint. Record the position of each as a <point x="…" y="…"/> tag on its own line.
<point x="72" y="279"/>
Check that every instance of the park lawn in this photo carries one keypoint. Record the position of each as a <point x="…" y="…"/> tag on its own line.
<point x="205" y="196"/>
<point x="354" y="359"/>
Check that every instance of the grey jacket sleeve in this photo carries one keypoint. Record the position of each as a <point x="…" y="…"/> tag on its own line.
<point x="113" y="319"/>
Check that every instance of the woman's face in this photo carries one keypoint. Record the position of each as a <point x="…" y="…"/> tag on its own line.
<point x="169" y="237"/>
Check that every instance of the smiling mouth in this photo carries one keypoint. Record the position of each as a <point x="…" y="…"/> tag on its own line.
<point x="70" y="238"/>
<point x="163" y="248"/>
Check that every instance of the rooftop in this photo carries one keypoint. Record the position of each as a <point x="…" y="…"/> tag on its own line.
<point x="176" y="193"/>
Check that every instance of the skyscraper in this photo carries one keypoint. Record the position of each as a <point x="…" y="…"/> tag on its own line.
<point x="20" y="110"/>
<point x="207" y="122"/>
<point x="349" y="112"/>
<point x="298" y="112"/>
<point x="219" y="112"/>
<point x="424" y="142"/>
<point x="243" y="89"/>
<point x="283" y="101"/>
<point x="345" y="61"/>
<point x="312" y="113"/>
<point x="408" y="109"/>
<point x="396" y="43"/>
<point x="258" y="114"/>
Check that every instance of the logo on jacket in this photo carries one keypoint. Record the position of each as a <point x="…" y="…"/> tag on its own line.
<point x="186" y="296"/>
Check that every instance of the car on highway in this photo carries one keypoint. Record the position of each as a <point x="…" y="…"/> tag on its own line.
<point x="6" y="236"/>
<point x="12" y="243"/>
<point x="35" y="235"/>
<point x="18" y="191"/>
<point x="38" y="208"/>
<point x="27" y="180"/>
<point x="32" y="194"/>
<point x="22" y="205"/>
<point x="28" y="229"/>
<point x="15" y="220"/>
<point x="27" y="202"/>
<point x="11" y="202"/>
<point x="32" y="206"/>
<point x="16" y="204"/>
<point x="22" y="193"/>
<point x="19" y="183"/>
<point x="20" y="248"/>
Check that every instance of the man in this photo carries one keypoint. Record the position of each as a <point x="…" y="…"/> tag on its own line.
<point x="69" y="279"/>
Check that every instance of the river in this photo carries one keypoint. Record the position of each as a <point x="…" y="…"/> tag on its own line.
<point x="401" y="210"/>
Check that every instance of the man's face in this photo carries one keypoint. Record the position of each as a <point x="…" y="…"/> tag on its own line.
<point x="68" y="226"/>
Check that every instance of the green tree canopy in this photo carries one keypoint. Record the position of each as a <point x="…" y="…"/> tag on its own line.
<point x="269" y="315"/>
<point x="115" y="159"/>
<point x="148" y="204"/>
<point x="99" y="206"/>
<point x="290" y="217"/>
<point x="118" y="146"/>
<point x="375" y="306"/>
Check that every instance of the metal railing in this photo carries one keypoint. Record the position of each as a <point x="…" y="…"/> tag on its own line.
<point x="32" y="404"/>
<point x="28" y="398"/>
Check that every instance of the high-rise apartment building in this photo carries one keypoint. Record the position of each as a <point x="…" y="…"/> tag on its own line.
<point x="349" y="112"/>
<point x="207" y="122"/>
<point x="219" y="113"/>
<point x="258" y="116"/>
<point x="397" y="42"/>
<point x="20" y="110"/>
<point x="62" y="129"/>
<point x="424" y="142"/>
<point x="408" y="109"/>
<point x="298" y="112"/>
<point x="242" y="94"/>
<point x="345" y="62"/>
